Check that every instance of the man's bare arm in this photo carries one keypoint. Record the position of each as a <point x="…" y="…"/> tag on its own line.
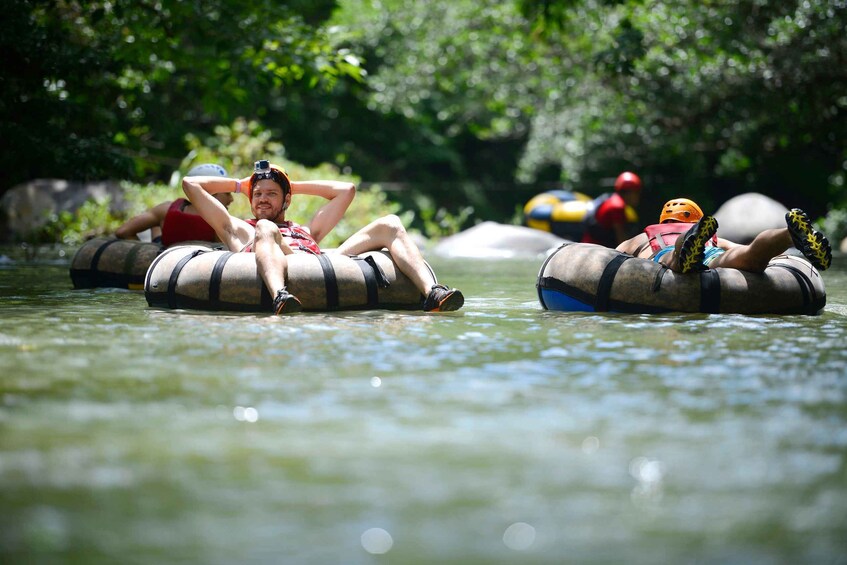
<point x="632" y="245"/>
<point x="148" y="219"/>
<point x="233" y="232"/>
<point x="339" y="193"/>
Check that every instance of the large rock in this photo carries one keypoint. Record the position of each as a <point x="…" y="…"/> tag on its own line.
<point x="27" y="207"/>
<point x="498" y="241"/>
<point x="743" y="217"/>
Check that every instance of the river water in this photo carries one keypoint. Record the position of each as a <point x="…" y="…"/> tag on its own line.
<point x="497" y="434"/>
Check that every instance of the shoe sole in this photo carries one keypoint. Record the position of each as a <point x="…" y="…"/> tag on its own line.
<point x="812" y="243"/>
<point x="290" y="306"/>
<point x="450" y="303"/>
<point x="693" y="250"/>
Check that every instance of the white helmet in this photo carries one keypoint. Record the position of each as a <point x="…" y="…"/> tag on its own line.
<point x="207" y="170"/>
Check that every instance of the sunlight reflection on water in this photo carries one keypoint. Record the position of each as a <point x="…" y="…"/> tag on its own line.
<point x="464" y="437"/>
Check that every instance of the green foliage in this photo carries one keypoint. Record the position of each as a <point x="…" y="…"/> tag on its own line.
<point x="235" y="147"/>
<point x="733" y="96"/>
<point x="98" y="218"/>
<point x="368" y="205"/>
<point x="92" y="219"/>
<point x="140" y="197"/>
<point x="109" y="88"/>
<point x="718" y="97"/>
<point x="452" y="67"/>
<point x="238" y="146"/>
<point x="546" y="14"/>
<point x="464" y="102"/>
<point x="438" y="222"/>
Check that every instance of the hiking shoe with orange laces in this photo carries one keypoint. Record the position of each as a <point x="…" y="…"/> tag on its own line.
<point x="693" y="250"/>
<point x="286" y="303"/>
<point x="443" y="299"/>
<point x="813" y="244"/>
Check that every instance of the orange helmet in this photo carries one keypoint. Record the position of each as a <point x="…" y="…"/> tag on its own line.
<point x="680" y="210"/>
<point x="627" y="181"/>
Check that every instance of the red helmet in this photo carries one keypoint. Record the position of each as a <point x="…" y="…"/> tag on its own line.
<point x="627" y="181"/>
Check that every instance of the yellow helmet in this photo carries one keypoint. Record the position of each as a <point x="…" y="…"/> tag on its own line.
<point x="680" y="210"/>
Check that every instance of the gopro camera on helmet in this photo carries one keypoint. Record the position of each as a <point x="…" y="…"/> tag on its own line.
<point x="262" y="170"/>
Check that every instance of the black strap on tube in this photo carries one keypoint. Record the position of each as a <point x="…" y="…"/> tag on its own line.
<point x="710" y="291"/>
<point x="660" y="274"/>
<point x="215" y="282"/>
<point x="371" y="284"/>
<point x="95" y="261"/>
<point x="129" y="260"/>
<point x="172" y="301"/>
<point x="604" y="287"/>
<point x="811" y="303"/>
<point x="330" y="281"/>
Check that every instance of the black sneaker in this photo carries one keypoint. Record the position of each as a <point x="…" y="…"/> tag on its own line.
<point x="693" y="250"/>
<point x="286" y="303"/>
<point x="813" y="244"/>
<point x="443" y="299"/>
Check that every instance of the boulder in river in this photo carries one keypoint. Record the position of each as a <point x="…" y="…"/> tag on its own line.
<point x="743" y="217"/>
<point x="27" y="207"/>
<point x="498" y="241"/>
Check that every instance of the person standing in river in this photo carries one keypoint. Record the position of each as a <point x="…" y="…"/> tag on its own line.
<point x="271" y="236"/>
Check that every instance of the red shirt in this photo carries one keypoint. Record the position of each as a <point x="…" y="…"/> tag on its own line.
<point x="179" y="226"/>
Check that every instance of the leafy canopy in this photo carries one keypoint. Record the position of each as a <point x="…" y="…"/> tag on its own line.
<point x="109" y="88"/>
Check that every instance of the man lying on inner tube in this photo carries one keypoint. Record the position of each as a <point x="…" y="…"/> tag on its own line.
<point x="272" y="237"/>
<point x="685" y="240"/>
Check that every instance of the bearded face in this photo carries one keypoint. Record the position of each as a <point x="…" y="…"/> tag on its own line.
<point x="268" y="202"/>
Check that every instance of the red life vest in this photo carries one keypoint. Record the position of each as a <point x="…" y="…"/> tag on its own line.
<point x="606" y="211"/>
<point x="179" y="226"/>
<point x="665" y="235"/>
<point x="296" y="236"/>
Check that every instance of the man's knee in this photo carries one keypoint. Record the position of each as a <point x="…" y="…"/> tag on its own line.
<point x="393" y="224"/>
<point x="265" y="229"/>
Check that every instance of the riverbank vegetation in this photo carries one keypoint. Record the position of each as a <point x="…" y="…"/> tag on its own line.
<point x="459" y="109"/>
<point x="233" y="147"/>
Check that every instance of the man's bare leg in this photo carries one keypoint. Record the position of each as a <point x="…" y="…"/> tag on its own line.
<point x="273" y="266"/>
<point x="389" y="233"/>
<point x="755" y="256"/>
<point x="768" y="244"/>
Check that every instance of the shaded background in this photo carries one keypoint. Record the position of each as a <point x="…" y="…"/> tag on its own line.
<point x="466" y="102"/>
